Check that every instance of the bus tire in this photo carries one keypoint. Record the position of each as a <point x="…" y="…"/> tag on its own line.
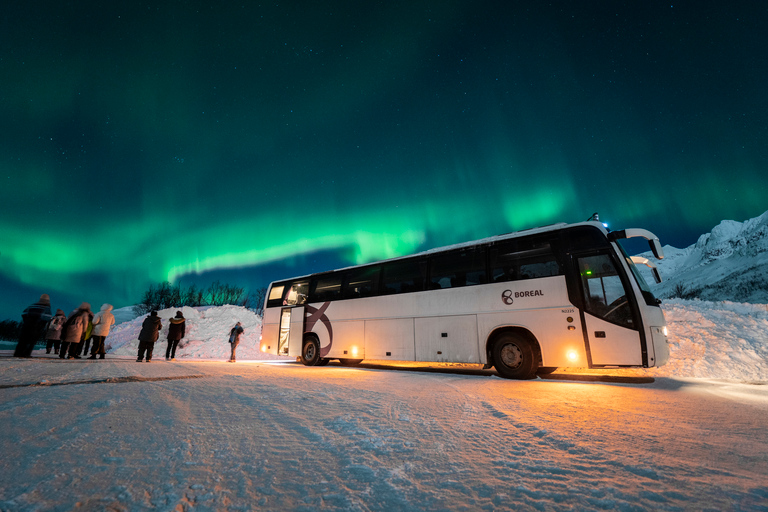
<point x="546" y="370"/>
<point x="310" y="352"/>
<point x="350" y="362"/>
<point x="515" y="357"/>
<point x="322" y="362"/>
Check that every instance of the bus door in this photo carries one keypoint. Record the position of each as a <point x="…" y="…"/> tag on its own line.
<point x="612" y="330"/>
<point x="291" y="331"/>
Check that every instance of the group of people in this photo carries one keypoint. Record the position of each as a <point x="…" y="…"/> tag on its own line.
<point x="70" y="336"/>
<point x="150" y="332"/>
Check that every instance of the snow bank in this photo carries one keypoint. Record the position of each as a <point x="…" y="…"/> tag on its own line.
<point x="720" y="340"/>
<point x="207" y="334"/>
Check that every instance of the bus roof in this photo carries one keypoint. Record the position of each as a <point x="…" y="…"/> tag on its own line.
<point x="491" y="239"/>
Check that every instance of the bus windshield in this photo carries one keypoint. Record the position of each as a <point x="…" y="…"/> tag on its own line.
<point x="648" y="295"/>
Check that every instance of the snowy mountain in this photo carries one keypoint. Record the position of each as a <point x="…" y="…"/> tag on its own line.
<point x="730" y="263"/>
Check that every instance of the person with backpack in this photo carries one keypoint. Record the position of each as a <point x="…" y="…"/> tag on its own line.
<point x="234" y="339"/>
<point x="176" y="331"/>
<point x="53" y="332"/>
<point x="150" y="331"/>
<point x="102" y="321"/>
<point x="74" y="330"/>
<point x="33" y="319"/>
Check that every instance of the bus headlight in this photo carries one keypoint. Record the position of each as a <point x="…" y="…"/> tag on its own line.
<point x="665" y="331"/>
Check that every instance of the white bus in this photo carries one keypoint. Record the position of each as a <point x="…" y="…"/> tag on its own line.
<point x="565" y="295"/>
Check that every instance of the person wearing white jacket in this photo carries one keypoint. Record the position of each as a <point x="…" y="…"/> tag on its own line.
<point x="103" y="320"/>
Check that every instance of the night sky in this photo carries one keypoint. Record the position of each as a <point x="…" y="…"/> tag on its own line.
<point x="245" y="142"/>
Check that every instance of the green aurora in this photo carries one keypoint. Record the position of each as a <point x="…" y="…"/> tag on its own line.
<point x="191" y="141"/>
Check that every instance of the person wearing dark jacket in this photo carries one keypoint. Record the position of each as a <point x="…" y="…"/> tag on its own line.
<point x="150" y="331"/>
<point x="234" y="339"/>
<point x="33" y="319"/>
<point x="176" y="331"/>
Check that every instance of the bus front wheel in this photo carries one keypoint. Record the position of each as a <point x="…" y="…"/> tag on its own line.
<point x="515" y="357"/>
<point x="310" y="352"/>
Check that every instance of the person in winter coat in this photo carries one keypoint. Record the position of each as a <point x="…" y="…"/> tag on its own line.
<point x="102" y="321"/>
<point x="85" y="340"/>
<point x="53" y="332"/>
<point x="150" y="331"/>
<point x="74" y="330"/>
<point x="33" y="319"/>
<point x="234" y="339"/>
<point x="176" y="331"/>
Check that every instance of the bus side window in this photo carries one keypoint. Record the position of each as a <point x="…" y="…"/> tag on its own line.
<point x="326" y="288"/>
<point x="360" y="283"/>
<point x="457" y="268"/>
<point x="513" y="260"/>
<point x="275" y="296"/>
<point x="403" y="276"/>
<point x="296" y="294"/>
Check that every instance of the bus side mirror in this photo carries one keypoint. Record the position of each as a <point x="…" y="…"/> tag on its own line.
<point x="638" y="260"/>
<point x="653" y="240"/>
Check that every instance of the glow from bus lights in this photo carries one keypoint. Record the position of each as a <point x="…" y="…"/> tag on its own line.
<point x="354" y="351"/>
<point x="665" y="331"/>
<point x="572" y="355"/>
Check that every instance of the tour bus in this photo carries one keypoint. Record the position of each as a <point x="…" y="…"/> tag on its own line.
<point x="528" y="302"/>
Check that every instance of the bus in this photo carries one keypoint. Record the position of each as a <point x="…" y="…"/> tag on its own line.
<point x="528" y="302"/>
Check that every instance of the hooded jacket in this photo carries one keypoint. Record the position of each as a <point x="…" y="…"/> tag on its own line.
<point x="53" y="332"/>
<point x="177" y="328"/>
<point x="77" y="323"/>
<point x="103" y="320"/>
<point x="150" y="329"/>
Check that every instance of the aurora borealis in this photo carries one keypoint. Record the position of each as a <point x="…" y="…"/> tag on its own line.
<point x="194" y="141"/>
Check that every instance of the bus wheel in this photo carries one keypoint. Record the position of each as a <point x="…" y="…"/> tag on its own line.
<point x="514" y="357"/>
<point x="546" y="370"/>
<point x="310" y="352"/>
<point x="322" y="362"/>
<point x="350" y="362"/>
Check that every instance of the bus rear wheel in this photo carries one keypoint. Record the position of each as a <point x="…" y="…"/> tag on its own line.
<point x="310" y="352"/>
<point x="515" y="357"/>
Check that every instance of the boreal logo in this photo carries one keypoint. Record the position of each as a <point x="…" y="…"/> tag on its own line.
<point x="506" y="297"/>
<point x="316" y="315"/>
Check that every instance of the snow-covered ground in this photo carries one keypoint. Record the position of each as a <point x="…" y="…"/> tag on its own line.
<point x="203" y="434"/>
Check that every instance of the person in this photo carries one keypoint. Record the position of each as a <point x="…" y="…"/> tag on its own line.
<point x="74" y="330"/>
<point x="85" y="342"/>
<point x="150" y="331"/>
<point x="102" y="321"/>
<point x="234" y="339"/>
<point x="33" y="319"/>
<point x="176" y="331"/>
<point x="53" y="332"/>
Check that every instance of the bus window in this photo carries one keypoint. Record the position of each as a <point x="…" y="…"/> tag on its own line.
<point x="516" y="260"/>
<point x="275" y="296"/>
<point x="403" y="276"/>
<point x="457" y="268"/>
<point x="604" y="292"/>
<point x="296" y="294"/>
<point x="326" y="288"/>
<point x="361" y="282"/>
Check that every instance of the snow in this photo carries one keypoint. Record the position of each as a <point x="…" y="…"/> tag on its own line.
<point x="202" y="434"/>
